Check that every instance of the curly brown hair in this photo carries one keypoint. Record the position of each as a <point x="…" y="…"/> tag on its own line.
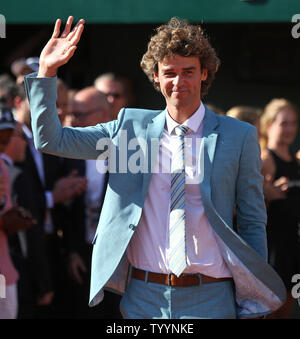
<point x="180" y="37"/>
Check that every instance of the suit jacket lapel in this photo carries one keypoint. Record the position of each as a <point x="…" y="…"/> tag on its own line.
<point x="210" y="136"/>
<point x="153" y="135"/>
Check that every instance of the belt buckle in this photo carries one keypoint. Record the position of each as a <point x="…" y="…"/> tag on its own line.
<point x="170" y="279"/>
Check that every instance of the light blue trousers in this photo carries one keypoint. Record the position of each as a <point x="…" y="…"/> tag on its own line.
<point x="145" y="300"/>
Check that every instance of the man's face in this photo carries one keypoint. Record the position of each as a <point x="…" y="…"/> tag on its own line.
<point x="23" y="111"/>
<point x="114" y="92"/>
<point x="180" y="82"/>
<point x="16" y="147"/>
<point x="88" y="112"/>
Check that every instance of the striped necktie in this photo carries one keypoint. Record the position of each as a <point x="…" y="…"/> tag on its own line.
<point x="177" y="254"/>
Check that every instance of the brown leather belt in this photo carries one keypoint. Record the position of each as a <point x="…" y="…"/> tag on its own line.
<point x="184" y="280"/>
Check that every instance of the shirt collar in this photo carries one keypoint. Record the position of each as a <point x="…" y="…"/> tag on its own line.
<point x="193" y="122"/>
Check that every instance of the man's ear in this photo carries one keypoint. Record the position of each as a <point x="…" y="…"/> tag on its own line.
<point x="155" y="76"/>
<point x="204" y="74"/>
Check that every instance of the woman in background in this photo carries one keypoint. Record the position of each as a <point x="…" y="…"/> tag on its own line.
<point x="281" y="169"/>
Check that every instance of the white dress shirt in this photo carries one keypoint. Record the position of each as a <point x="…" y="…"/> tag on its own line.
<point x="149" y="246"/>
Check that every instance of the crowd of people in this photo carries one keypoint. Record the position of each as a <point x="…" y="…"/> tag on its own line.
<point x="50" y="205"/>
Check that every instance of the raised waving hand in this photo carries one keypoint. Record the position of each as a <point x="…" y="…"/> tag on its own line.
<point x="60" y="48"/>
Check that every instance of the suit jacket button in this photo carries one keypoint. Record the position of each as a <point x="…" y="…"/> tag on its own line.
<point x="132" y="227"/>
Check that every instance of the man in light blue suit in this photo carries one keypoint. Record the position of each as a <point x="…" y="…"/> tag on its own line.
<point x="165" y="237"/>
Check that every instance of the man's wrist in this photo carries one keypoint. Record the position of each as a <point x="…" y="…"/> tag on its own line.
<point x="45" y="72"/>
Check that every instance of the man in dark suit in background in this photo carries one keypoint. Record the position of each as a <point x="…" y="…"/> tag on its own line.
<point x="40" y="188"/>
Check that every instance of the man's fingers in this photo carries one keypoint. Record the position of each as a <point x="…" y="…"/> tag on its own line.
<point x="72" y="33"/>
<point x="75" y="39"/>
<point x="281" y="181"/>
<point x="56" y="30"/>
<point x="67" y="27"/>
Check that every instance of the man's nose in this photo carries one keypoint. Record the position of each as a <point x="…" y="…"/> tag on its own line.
<point x="177" y="80"/>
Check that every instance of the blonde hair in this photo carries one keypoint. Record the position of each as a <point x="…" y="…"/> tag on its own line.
<point x="269" y="115"/>
<point x="245" y="113"/>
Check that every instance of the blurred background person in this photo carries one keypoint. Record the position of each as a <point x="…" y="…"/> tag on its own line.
<point x="24" y="66"/>
<point x="117" y="91"/>
<point x="248" y="114"/>
<point x="12" y="220"/>
<point x="15" y="151"/>
<point x="281" y="169"/>
<point x="40" y="187"/>
<point x="62" y="101"/>
<point x="90" y="107"/>
<point x="9" y="304"/>
<point x="68" y="118"/>
<point x="7" y="90"/>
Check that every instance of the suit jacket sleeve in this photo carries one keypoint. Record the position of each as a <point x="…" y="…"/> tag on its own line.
<point x="251" y="209"/>
<point x="49" y="136"/>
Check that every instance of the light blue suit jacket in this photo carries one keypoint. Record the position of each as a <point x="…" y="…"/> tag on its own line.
<point x="231" y="178"/>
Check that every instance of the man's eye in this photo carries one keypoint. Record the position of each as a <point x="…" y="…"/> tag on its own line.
<point x="169" y="74"/>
